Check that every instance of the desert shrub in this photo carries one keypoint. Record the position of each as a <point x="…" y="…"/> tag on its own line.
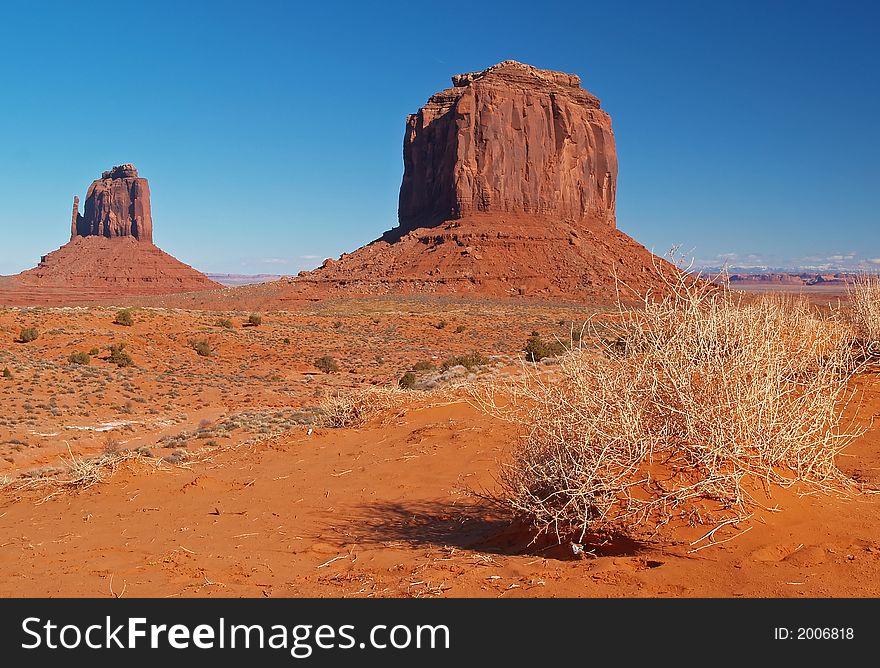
<point x="124" y="318"/>
<point x="286" y="340"/>
<point x="460" y="329"/>
<point x="353" y="409"/>
<point x="469" y="361"/>
<point x="537" y="348"/>
<point x="254" y="320"/>
<point x="701" y="392"/>
<point x="6" y="372"/>
<point x="337" y="324"/>
<point x="327" y="364"/>
<point x="225" y="323"/>
<point x="118" y="356"/>
<point x="79" y="358"/>
<point x="864" y="313"/>
<point x="202" y="347"/>
<point x="28" y="334"/>
<point x="422" y="366"/>
<point x="93" y="352"/>
<point x="441" y="324"/>
<point x="407" y="381"/>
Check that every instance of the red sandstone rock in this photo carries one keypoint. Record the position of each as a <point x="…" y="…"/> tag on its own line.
<point x="110" y="254"/>
<point x="509" y="139"/>
<point x="117" y="205"/>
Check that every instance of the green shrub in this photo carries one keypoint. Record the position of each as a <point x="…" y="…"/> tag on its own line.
<point x="94" y="352"/>
<point x="407" y="381"/>
<point x="119" y="357"/>
<point x="225" y="323"/>
<point x="202" y="347"/>
<point x="337" y="324"/>
<point x="79" y="358"/>
<point x="537" y="348"/>
<point x="28" y="334"/>
<point x="469" y="361"/>
<point x="124" y="318"/>
<point x="327" y="364"/>
<point x="254" y="320"/>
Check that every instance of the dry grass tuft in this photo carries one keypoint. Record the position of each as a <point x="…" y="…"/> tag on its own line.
<point x="76" y="473"/>
<point x="356" y="407"/>
<point x="694" y="394"/>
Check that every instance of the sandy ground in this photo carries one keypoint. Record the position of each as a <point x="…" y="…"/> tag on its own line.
<point x="276" y="506"/>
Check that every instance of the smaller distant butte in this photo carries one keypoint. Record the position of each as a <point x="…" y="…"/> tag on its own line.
<point x="110" y="253"/>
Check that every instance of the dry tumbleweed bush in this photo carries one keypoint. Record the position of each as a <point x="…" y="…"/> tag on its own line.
<point x="696" y="392"/>
<point x="864" y="312"/>
<point x="354" y="408"/>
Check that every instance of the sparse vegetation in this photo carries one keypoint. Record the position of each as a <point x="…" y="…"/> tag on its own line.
<point x="422" y="366"/>
<point x="701" y="392"/>
<point x="441" y="324"/>
<point x="460" y="329"/>
<point x="407" y="381"/>
<point x="79" y="358"/>
<point x="28" y="334"/>
<point x="468" y="361"/>
<point x="537" y="348"/>
<point x="202" y="347"/>
<point x="225" y="323"/>
<point x="124" y="318"/>
<point x="94" y="352"/>
<point x="119" y="357"/>
<point x="6" y="372"/>
<point x="254" y="320"/>
<point x="327" y="364"/>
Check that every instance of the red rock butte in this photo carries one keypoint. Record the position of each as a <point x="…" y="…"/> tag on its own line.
<point x="510" y="139"/>
<point x="509" y="189"/>
<point x="110" y="253"/>
<point x="117" y="205"/>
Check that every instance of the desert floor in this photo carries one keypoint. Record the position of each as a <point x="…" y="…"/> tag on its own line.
<point x="235" y="490"/>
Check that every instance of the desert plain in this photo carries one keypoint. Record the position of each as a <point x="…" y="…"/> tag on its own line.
<point x="213" y="475"/>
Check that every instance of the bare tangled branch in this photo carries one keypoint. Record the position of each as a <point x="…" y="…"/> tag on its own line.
<point x="691" y="394"/>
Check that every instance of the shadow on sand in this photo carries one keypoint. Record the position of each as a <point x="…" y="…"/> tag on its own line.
<point x="478" y="527"/>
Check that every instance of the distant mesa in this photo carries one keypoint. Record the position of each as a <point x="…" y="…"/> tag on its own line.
<point x="110" y="253"/>
<point x="509" y="189"/>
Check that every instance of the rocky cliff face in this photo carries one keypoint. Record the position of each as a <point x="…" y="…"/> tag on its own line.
<point x="510" y="139"/>
<point x="117" y="205"/>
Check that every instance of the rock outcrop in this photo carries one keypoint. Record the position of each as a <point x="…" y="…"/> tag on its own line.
<point x="117" y="205"/>
<point x="509" y="189"/>
<point x="510" y="139"/>
<point x="110" y="255"/>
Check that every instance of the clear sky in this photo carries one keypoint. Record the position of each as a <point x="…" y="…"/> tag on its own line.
<point x="271" y="132"/>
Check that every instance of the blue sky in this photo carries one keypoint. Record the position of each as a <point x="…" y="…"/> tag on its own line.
<point x="271" y="132"/>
